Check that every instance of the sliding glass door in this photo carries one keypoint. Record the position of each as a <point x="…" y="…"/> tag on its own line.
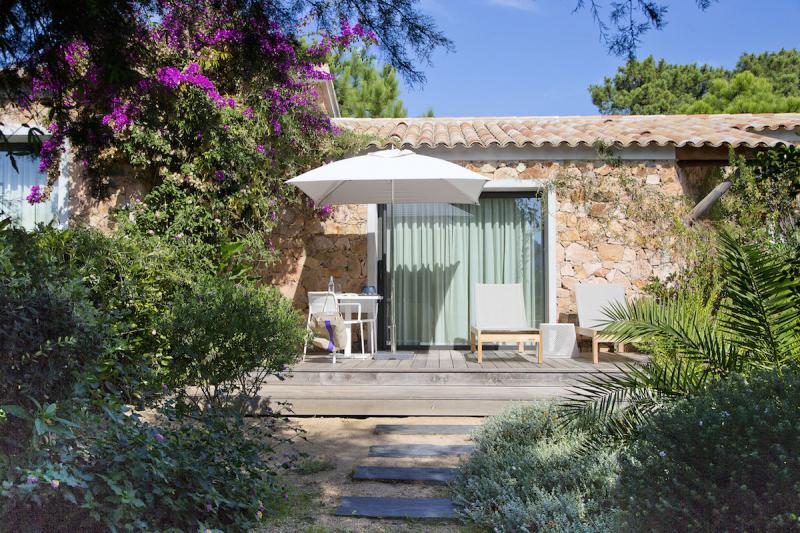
<point x="442" y="250"/>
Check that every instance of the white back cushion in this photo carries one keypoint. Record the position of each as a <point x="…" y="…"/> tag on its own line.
<point x="322" y="302"/>
<point x="500" y="306"/>
<point x="592" y="298"/>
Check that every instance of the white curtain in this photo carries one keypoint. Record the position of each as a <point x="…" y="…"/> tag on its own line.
<point x="15" y="186"/>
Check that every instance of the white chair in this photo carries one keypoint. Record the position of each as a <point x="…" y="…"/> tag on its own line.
<point x="500" y="317"/>
<point x="592" y="299"/>
<point x="326" y="302"/>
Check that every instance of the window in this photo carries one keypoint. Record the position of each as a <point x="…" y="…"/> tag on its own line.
<point x="15" y="186"/>
<point x="442" y="250"/>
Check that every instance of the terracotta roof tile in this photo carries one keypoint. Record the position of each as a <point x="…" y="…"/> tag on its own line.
<point x="745" y="130"/>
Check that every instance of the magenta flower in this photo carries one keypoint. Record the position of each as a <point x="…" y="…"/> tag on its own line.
<point x="120" y="116"/>
<point x="260" y="148"/>
<point x="159" y="437"/>
<point x="219" y="175"/>
<point x="55" y="483"/>
<point x="36" y="195"/>
<point x="171" y="77"/>
<point x="32" y="480"/>
<point x="247" y="112"/>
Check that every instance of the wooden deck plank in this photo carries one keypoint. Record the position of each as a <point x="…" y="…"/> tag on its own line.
<point x="420" y="360"/>
<point x="405" y="363"/>
<point x="445" y="360"/>
<point x="375" y="507"/>
<point x="433" y="475"/>
<point x="458" y="359"/>
<point x="419" y="450"/>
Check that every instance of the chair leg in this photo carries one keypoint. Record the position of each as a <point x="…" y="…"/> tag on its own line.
<point x="361" y="334"/>
<point x="521" y="347"/>
<point x="595" y="350"/>
<point x="471" y="341"/>
<point x="480" y="348"/>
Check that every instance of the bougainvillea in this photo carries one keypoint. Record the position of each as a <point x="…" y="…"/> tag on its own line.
<point x="220" y="101"/>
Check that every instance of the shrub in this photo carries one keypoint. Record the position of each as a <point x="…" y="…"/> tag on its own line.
<point x="120" y="472"/>
<point x="528" y="475"/>
<point x="727" y="459"/>
<point x="226" y="337"/>
<point x="50" y="331"/>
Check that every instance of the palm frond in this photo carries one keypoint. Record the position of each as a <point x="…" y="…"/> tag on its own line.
<point x="615" y="405"/>
<point x="685" y="325"/>
<point x="760" y="309"/>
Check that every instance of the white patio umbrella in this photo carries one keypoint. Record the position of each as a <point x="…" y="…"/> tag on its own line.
<point x="391" y="177"/>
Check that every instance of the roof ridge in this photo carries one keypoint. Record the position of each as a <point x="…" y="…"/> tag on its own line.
<point x="744" y="129"/>
<point x="624" y="117"/>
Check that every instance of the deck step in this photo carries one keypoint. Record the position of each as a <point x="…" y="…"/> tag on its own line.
<point x="419" y="450"/>
<point x="432" y="475"/>
<point x="429" y="429"/>
<point x="403" y="400"/>
<point x="373" y="507"/>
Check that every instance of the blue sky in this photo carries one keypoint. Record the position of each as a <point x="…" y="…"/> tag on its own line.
<point x="535" y="57"/>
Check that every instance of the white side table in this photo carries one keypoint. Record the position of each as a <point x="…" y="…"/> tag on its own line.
<point x="559" y="340"/>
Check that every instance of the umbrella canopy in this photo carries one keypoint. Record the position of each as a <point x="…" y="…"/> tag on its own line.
<point x="391" y="177"/>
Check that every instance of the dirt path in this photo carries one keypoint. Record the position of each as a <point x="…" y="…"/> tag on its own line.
<point x="336" y="446"/>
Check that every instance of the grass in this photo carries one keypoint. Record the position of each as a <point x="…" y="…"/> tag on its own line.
<point x="314" y="465"/>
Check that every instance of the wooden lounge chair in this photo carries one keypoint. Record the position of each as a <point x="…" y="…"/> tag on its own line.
<point x="592" y="299"/>
<point x="500" y="317"/>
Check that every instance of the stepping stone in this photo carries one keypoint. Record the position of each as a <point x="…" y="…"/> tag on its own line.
<point x="391" y="473"/>
<point x="430" y="429"/>
<point x="372" y="507"/>
<point x="419" y="450"/>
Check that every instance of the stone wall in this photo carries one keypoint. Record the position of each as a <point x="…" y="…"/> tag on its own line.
<point x="312" y="250"/>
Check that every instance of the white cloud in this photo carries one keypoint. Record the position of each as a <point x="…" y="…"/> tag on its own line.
<point x="522" y="5"/>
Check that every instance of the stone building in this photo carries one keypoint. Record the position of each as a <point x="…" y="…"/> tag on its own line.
<point x="613" y="192"/>
<point x="570" y="200"/>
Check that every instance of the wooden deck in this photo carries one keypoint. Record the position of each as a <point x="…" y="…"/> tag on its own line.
<point x="437" y="382"/>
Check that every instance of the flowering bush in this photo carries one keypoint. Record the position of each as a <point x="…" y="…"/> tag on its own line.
<point x="216" y="103"/>
<point x="121" y="472"/>
<point x="529" y="474"/>
<point x="727" y="459"/>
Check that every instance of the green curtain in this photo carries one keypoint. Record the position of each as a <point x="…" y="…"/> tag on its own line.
<point x="443" y="250"/>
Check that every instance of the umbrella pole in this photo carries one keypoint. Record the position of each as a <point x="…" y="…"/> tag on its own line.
<point x="393" y="346"/>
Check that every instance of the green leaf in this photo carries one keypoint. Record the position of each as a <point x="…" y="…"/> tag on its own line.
<point x="17" y="411"/>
